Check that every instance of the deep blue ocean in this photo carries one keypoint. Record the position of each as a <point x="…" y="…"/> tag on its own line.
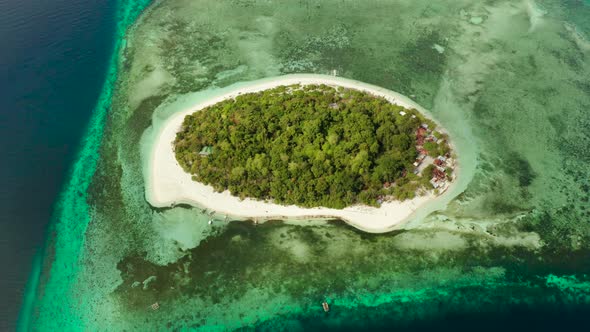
<point x="53" y="62"/>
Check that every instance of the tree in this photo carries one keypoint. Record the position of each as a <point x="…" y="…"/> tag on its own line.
<point x="307" y="145"/>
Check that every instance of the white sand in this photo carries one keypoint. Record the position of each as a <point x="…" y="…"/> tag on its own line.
<point x="167" y="184"/>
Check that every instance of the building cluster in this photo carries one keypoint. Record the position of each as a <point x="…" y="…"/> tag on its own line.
<point x="423" y="134"/>
<point x="439" y="175"/>
<point x="441" y="163"/>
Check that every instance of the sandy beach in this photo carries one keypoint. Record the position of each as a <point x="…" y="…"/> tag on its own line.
<point x="167" y="184"/>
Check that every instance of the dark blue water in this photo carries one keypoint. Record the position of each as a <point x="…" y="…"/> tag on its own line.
<point x="53" y="59"/>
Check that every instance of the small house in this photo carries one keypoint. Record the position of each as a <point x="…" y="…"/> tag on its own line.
<point x="435" y="183"/>
<point x="420" y="133"/>
<point x="438" y="174"/>
<point x="206" y="150"/>
<point x="432" y="138"/>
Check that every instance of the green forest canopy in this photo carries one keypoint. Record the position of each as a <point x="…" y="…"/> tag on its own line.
<point x="311" y="145"/>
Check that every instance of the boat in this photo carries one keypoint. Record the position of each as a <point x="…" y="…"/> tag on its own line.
<point x="326" y="306"/>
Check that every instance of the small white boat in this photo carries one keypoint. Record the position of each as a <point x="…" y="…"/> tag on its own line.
<point x="326" y="306"/>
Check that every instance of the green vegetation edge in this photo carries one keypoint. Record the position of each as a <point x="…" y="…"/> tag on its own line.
<point x="311" y="145"/>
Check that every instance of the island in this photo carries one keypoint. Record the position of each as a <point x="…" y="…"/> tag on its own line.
<point x="301" y="147"/>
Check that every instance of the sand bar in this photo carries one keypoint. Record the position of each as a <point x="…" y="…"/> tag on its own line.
<point x="167" y="184"/>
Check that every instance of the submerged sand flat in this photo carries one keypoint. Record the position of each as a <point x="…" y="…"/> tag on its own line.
<point x="167" y="184"/>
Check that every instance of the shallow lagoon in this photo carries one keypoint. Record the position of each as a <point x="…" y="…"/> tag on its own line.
<point x="513" y="75"/>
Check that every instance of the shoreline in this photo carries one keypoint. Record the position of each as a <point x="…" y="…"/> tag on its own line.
<point x="167" y="184"/>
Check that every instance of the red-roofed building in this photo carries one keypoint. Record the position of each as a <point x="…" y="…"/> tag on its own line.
<point x="438" y="174"/>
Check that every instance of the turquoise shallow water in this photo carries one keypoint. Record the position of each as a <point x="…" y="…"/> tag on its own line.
<point x="512" y="246"/>
<point x="52" y="66"/>
<point x="72" y="216"/>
